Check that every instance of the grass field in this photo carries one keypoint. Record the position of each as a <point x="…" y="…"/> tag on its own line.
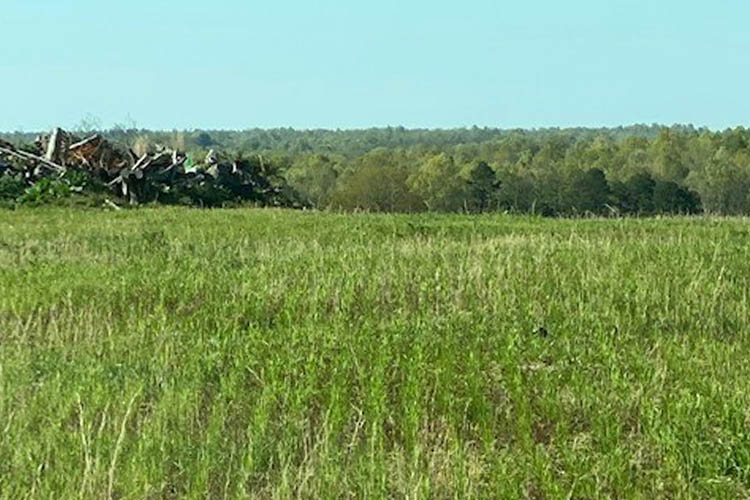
<point x="175" y="353"/>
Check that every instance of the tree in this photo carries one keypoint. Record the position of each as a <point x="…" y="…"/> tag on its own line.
<point x="377" y="189"/>
<point x="515" y="192"/>
<point x="204" y="140"/>
<point x="671" y="198"/>
<point x="723" y="185"/>
<point x="482" y="186"/>
<point x="669" y="163"/>
<point x="438" y="184"/>
<point x="314" y="178"/>
<point x="589" y="191"/>
<point x="639" y="194"/>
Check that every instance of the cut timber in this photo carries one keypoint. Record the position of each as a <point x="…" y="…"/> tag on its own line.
<point x="142" y="162"/>
<point x="56" y="146"/>
<point x="84" y="142"/>
<point x="28" y="156"/>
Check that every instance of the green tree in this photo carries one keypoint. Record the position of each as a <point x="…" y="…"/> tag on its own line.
<point x="482" y="186"/>
<point x="589" y="191"/>
<point x="438" y="184"/>
<point x="639" y="194"/>
<point x="723" y="184"/>
<point x="314" y="178"/>
<point x="671" y="198"/>
<point x="668" y="150"/>
<point x="377" y="189"/>
<point x="204" y="140"/>
<point x="516" y="192"/>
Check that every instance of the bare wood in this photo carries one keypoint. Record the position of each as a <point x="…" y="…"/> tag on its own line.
<point x="111" y="204"/>
<point x="84" y="142"/>
<point x="28" y="156"/>
<point x="141" y="161"/>
<point x="53" y="145"/>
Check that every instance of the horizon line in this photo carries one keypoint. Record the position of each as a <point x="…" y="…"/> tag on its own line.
<point x="117" y="127"/>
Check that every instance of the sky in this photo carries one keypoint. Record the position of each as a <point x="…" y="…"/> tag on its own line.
<point x="232" y="64"/>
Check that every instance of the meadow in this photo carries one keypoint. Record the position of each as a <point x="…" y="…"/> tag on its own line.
<point x="251" y="353"/>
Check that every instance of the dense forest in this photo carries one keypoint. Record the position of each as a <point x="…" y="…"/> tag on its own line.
<point x="639" y="170"/>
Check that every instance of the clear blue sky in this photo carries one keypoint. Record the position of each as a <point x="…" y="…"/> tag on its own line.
<point x="344" y="64"/>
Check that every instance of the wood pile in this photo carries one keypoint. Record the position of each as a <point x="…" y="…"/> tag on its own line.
<point x="162" y="174"/>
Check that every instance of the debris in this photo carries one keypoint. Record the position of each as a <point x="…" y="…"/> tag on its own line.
<point x="56" y="145"/>
<point x="110" y="204"/>
<point x="157" y="175"/>
<point x="24" y="155"/>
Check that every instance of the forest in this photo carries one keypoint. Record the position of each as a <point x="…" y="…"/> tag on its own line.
<point x="634" y="170"/>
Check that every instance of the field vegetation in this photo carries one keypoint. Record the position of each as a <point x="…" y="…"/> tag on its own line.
<point x="182" y="353"/>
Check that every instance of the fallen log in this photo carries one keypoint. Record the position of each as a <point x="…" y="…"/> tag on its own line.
<point x="28" y="156"/>
<point x="56" y="146"/>
<point x="96" y="138"/>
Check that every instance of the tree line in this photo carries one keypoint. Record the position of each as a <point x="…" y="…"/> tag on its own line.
<point x="665" y="170"/>
<point x="637" y="170"/>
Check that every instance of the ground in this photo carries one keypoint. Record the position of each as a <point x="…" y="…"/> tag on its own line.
<point x="164" y="353"/>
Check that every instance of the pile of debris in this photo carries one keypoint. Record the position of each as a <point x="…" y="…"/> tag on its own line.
<point x="162" y="174"/>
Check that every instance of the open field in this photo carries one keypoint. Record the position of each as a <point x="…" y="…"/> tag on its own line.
<point x="165" y="353"/>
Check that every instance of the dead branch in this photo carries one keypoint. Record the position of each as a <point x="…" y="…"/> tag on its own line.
<point x="28" y="156"/>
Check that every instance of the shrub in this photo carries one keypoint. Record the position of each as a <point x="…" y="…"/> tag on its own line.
<point x="11" y="188"/>
<point x="45" y="190"/>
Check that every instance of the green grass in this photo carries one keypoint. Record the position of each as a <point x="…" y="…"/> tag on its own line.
<point x="177" y="353"/>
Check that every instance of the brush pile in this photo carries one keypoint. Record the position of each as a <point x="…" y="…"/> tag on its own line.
<point x="61" y="160"/>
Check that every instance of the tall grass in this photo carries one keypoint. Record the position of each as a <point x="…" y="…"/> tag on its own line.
<point x="272" y="354"/>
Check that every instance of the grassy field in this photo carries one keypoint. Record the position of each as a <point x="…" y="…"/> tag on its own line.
<point x="175" y="353"/>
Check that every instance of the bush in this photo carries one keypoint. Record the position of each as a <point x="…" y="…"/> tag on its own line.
<point x="45" y="190"/>
<point x="11" y="188"/>
<point x="80" y="181"/>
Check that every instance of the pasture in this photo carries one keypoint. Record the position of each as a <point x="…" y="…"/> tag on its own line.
<point x="182" y="353"/>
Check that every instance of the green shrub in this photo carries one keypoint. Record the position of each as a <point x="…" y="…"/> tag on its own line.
<point x="78" y="180"/>
<point x="45" y="190"/>
<point x="11" y="188"/>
